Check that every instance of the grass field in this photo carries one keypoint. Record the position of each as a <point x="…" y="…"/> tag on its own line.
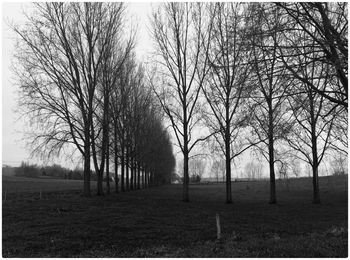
<point x="156" y="223"/>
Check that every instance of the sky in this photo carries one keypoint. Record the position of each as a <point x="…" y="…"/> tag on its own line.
<point x="13" y="147"/>
<point x="13" y="151"/>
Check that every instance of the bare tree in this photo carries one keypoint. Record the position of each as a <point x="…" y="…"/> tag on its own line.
<point x="311" y="133"/>
<point x="253" y="170"/>
<point x="314" y="116"/>
<point x="116" y="53"/>
<point x="339" y="164"/>
<point x="197" y="167"/>
<point x="59" y="70"/>
<point x="269" y="117"/>
<point x="218" y="168"/>
<point x="178" y="30"/>
<point x="325" y="27"/>
<point x="226" y="88"/>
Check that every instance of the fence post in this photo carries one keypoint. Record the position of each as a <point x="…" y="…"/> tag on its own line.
<point x="218" y="227"/>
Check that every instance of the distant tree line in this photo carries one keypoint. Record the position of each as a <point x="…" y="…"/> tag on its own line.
<point x="55" y="170"/>
<point x="269" y="76"/>
<point x="81" y="87"/>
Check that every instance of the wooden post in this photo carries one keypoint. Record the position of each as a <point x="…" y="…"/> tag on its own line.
<point x="40" y="195"/>
<point x="5" y="196"/>
<point x="218" y="227"/>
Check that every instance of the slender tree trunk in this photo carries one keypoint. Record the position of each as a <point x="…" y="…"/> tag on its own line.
<point x="228" y="174"/>
<point x="146" y="178"/>
<point x="135" y="175"/>
<point x="107" y="167"/>
<point x="271" y="159"/>
<point x="122" y="161"/>
<point x="153" y="181"/>
<point x="185" y="194"/>
<point x="228" y="154"/>
<point x="127" y="184"/>
<point x="116" y="179"/>
<point x="143" y="178"/>
<point x="138" y="175"/>
<point x="316" y="192"/>
<point x="87" y="190"/>
<point x="100" y="182"/>
<point x="150" y="184"/>
<point x="131" y="174"/>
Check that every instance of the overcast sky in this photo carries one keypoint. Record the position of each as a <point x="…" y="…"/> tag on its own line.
<point x="13" y="147"/>
<point x="13" y="150"/>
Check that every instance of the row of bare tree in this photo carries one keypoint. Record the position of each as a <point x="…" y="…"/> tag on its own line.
<point x="82" y="89"/>
<point x="256" y="74"/>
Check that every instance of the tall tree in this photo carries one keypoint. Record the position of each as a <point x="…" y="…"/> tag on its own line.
<point x="314" y="116"/>
<point x="268" y="111"/>
<point x="226" y="88"/>
<point x="178" y="29"/>
<point x="59" y="55"/>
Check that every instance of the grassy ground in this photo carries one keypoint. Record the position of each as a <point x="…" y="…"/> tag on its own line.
<point x="156" y="223"/>
<point x="17" y="185"/>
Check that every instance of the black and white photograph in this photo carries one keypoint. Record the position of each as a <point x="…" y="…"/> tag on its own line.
<point x="174" y="129"/>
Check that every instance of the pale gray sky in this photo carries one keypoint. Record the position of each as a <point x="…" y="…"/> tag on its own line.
<point x="13" y="150"/>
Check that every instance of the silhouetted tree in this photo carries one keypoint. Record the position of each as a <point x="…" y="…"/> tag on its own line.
<point x="178" y="32"/>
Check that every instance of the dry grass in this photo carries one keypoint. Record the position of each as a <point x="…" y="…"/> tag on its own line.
<point x="156" y="223"/>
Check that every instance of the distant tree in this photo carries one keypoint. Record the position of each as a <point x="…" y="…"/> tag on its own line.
<point x="218" y="168"/>
<point x="295" y="168"/>
<point x="175" y="177"/>
<point x="195" y="178"/>
<point x="253" y="170"/>
<point x="197" y="167"/>
<point x="339" y="164"/>
<point x="27" y="170"/>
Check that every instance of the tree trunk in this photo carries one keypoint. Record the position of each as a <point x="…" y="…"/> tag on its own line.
<point x="271" y="158"/>
<point x="185" y="195"/>
<point x="132" y="174"/>
<point x="116" y="179"/>
<point x="135" y="175"/>
<point x="122" y="161"/>
<point x="144" y="178"/>
<point x="87" y="191"/>
<point x="272" y="173"/>
<point x="100" y="182"/>
<point x="228" y="174"/>
<point x="228" y="154"/>
<point x="316" y="192"/>
<point x="107" y="167"/>
<point x="138" y="175"/>
<point x="127" y="184"/>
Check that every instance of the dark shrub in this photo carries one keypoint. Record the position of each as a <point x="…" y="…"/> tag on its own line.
<point x="27" y="170"/>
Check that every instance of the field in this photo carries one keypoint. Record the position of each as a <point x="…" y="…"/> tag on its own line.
<point x="156" y="223"/>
